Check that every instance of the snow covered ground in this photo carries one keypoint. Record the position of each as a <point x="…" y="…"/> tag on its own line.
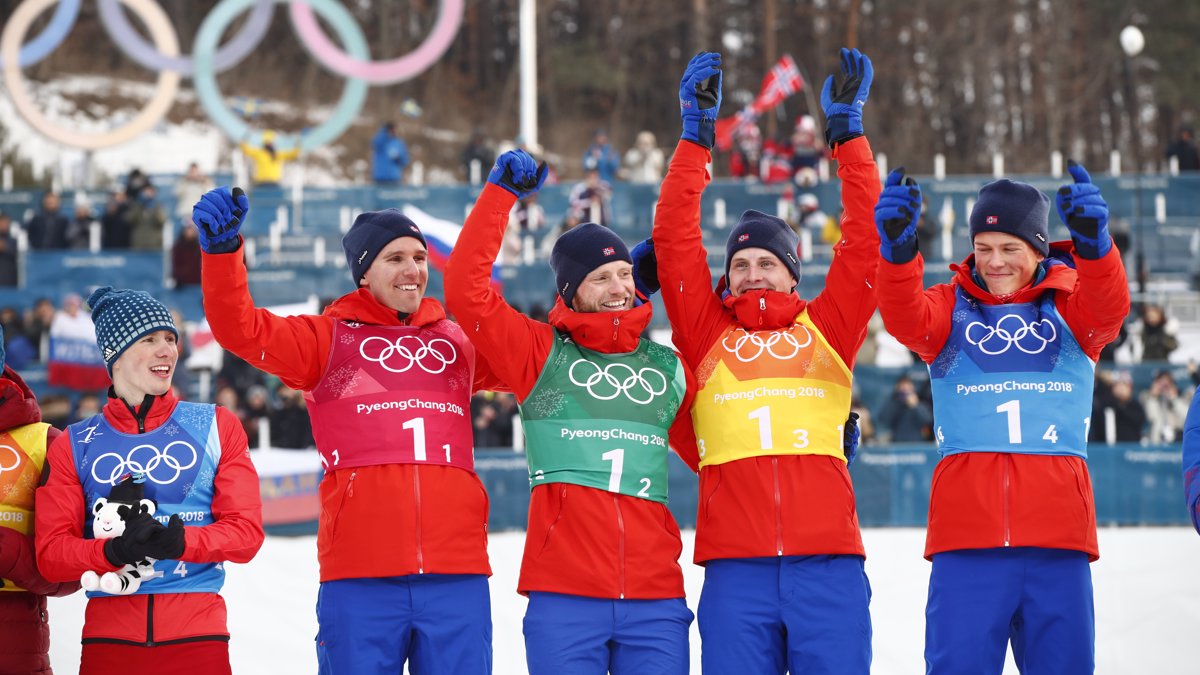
<point x="1147" y="604"/>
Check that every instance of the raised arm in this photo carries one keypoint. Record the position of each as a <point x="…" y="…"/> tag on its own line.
<point x="695" y="312"/>
<point x="293" y="348"/>
<point x="1099" y="303"/>
<point x="514" y="345"/>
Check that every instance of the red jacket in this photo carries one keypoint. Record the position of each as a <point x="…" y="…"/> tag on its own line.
<point x="789" y="504"/>
<point x="389" y="519"/>
<point x="987" y="499"/>
<point x="24" y="632"/>
<point x="580" y="540"/>
<point x="235" y="535"/>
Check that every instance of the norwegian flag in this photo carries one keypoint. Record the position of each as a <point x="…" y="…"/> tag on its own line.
<point x="992" y="220"/>
<point x="609" y="250"/>
<point x="781" y="81"/>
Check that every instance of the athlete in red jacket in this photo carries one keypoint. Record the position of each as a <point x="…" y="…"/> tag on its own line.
<point x="598" y="403"/>
<point x="777" y="529"/>
<point x="196" y="466"/>
<point x="1011" y="344"/>
<point x="402" y="537"/>
<point x="24" y="440"/>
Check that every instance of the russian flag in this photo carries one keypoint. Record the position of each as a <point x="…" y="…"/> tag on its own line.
<point x="74" y="362"/>
<point x="441" y="235"/>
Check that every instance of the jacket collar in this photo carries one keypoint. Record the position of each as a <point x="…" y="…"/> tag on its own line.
<point x="152" y="412"/>
<point x="362" y="307"/>
<point x="764" y="309"/>
<point x="607" y="332"/>
<point x="1055" y="273"/>
<point x="18" y="406"/>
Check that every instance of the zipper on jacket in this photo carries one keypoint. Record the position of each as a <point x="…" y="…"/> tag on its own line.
<point x="1007" y="497"/>
<point x="616" y="327"/>
<point x="778" y="507"/>
<point x="150" y="620"/>
<point x="762" y="304"/>
<point x="417" y="501"/>
<point x="342" y="504"/>
<point x="620" y="546"/>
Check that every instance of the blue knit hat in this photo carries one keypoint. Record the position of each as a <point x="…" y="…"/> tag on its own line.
<point x="370" y="233"/>
<point x="756" y="229"/>
<point x="1013" y="208"/>
<point x="124" y="316"/>
<point x="580" y="250"/>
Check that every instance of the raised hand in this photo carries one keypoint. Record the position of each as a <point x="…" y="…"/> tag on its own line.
<point x="843" y="104"/>
<point x="218" y="217"/>
<point x="1085" y="213"/>
<point x="517" y="172"/>
<point x="700" y="98"/>
<point x="896" y="216"/>
<point x="645" y="268"/>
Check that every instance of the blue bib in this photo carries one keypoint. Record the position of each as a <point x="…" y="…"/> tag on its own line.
<point x="179" y="460"/>
<point x="1011" y="378"/>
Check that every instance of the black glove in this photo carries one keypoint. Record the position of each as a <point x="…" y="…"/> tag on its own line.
<point x="126" y="549"/>
<point x="165" y="543"/>
<point x="851" y="435"/>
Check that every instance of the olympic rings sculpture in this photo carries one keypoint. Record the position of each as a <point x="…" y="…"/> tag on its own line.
<point x="128" y="464"/>
<point x="16" y="459"/>
<point x="995" y="340"/>
<point x="767" y="345"/>
<point x="351" y="61"/>
<point x="620" y="385"/>
<point x="412" y="356"/>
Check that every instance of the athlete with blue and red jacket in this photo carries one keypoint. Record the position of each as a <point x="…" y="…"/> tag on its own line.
<point x="598" y="404"/>
<point x="1011" y="344"/>
<point x="402" y="537"/>
<point x="777" y="530"/>
<point x="1191" y="459"/>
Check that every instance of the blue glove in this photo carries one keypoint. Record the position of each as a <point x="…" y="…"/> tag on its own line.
<point x="645" y="268"/>
<point x="1085" y="213"/>
<point x="700" y="98"/>
<point x="218" y="217"/>
<point x="896" y="215"/>
<point x="851" y="435"/>
<point x="843" y="106"/>
<point x="517" y="172"/>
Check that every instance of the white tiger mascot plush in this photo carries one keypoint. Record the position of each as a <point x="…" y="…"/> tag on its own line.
<point x="109" y="516"/>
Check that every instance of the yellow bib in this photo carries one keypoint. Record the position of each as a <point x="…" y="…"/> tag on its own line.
<point x="776" y="392"/>
<point x="22" y="455"/>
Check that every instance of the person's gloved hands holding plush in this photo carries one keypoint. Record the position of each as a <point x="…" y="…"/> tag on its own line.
<point x="517" y="172"/>
<point x="1085" y="213"/>
<point x="700" y="98"/>
<point x="218" y="217"/>
<point x="127" y="548"/>
<point x="843" y="104"/>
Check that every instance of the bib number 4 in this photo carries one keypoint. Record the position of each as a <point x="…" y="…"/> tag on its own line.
<point x="1012" y="409"/>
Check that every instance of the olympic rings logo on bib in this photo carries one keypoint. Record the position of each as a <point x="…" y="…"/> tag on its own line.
<point x="788" y="350"/>
<point x="173" y="465"/>
<point x="1011" y="331"/>
<point x="16" y="463"/>
<point x="609" y="382"/>
<point x="410" y="350"/>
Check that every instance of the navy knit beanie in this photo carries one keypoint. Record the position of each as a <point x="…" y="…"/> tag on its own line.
<point x="756" y="229"/>
<point x="124" y="316"/>
<point x="580" y="250"/>
<point x="1013" y="208"/>
<point x="370" y="233"/>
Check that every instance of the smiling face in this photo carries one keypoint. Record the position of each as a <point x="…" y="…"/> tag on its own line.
<point x="146" y="367"/>
<point x="608" y="288"/>
<point x="1004" y="262"/>
<point x="398" y="275"/>
<point x="757" y="268"/>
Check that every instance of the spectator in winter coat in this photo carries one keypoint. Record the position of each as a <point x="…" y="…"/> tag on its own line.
<point x="175" y="620"/>
<point x="1117" y="415"/>
<point x="601" y="551"/>
<point x="1154" y="335"/>
<point x="644" y="161"/>
<point x="477" y="150"/>
<point x="1166" y="409"/>
<point x="1184" y="148"/>
<point x="9" y="257"/>
<point x="146" y="220"/>
<point x="268" y="161"/>
<point x="24" y="438"/>
<point x="601" y="157"/>
<point x="290" y="423"/>
<point x="79" y="231"/>
<point x="389" y="156"/>
<point x="185" y="258"/>
<point x="904" y="417"/>
<point x="1011" y="343"/>
<point x="115" y="232"/>
<point x="405" y="577"/>
<point x="188" y="190"/>
<point x="47" y="230"/>
<point x="778" y="519"/>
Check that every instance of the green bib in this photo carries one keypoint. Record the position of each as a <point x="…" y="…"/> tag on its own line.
<point x="601" y="420"/>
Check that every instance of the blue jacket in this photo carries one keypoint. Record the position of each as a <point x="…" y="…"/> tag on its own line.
<point x="604" y="159"/>
<point x="1191" y="459"/>
<point x="389" y="156"/>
